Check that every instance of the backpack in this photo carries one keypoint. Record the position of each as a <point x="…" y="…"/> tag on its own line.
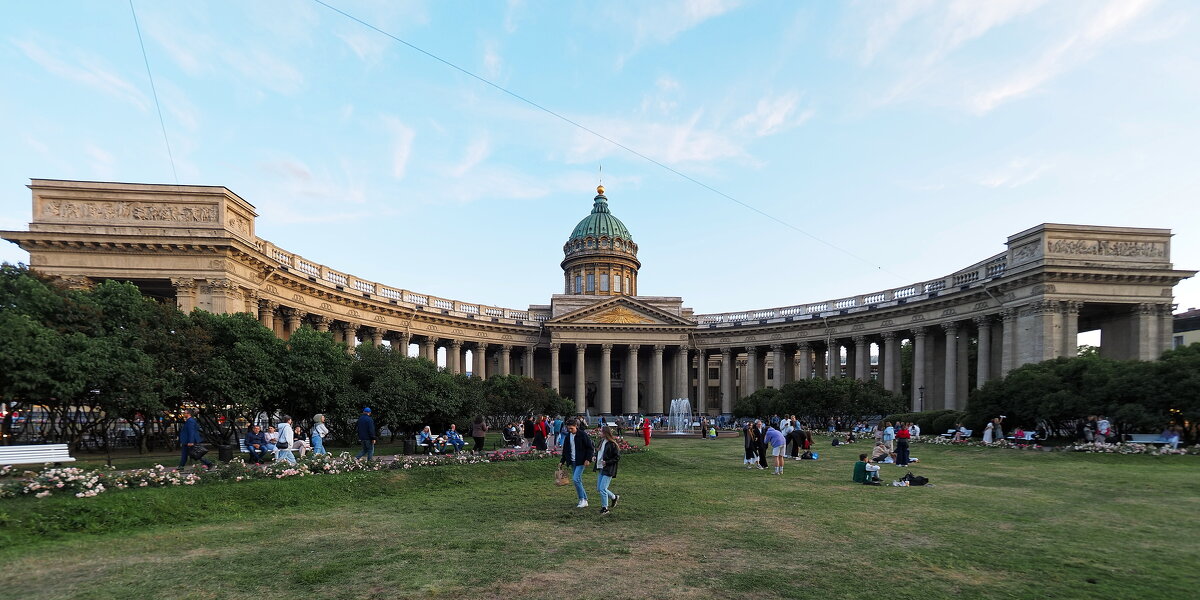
<point x="915" y="479"/>
<point x="808" y="456"/>
<point x="836" y="442"/>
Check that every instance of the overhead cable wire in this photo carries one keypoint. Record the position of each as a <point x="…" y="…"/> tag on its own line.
<point x="162" y="124"/>
<point x="597" y="134"/>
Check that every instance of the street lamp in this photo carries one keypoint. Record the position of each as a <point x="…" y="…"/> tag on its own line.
<point x="921" y="399"/>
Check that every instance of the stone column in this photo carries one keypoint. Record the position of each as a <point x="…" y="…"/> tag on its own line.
<point x="701" y="380"/>
<point x="983" y="351"/>
<point x="804" y="351"/>
<point x="751" y="369"/>
<point x="631" y="379"/>
<point x="479" y="360"/>
<point x="780" y="365"/>
<point x="580" y="379"/>
<point x="431" y="349"/>
<point x="862" y="358"/>
<point x="351" y="334"/>
<point x="527" y="361"/>
<point x="322" y="323"/>
<point x="454" y="356"/>
<point x="918" y="383"/>
<point x="681" y="374"/>
<point x="292" y="318"/>
<point x="604" y="387"/>
<point x="950" y="392"/>
<point x="266" y="313"/>
<point x="554" y="382"/>
<point x="1166" y="328"/>
<point x="889" y="361"/>
<point x="1070" y="328"/>
<point x="185" y="294"/>
<point x="1008" y="350"/>
<point x="506" y="359"/>
<point x="400" y="343"/>
<point x="376" y="336"/>
<point x="655" y="403"/>
<point x="250" y="302"/>
<point x="833" y="358"/>
<point x="726" y="381"/>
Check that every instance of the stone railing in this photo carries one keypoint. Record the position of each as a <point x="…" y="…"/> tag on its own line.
<point x="974" y="275"/>
<point x="319" y="274"/>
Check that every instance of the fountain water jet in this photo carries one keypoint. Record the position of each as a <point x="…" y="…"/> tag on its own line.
<point x="679" y="419"/>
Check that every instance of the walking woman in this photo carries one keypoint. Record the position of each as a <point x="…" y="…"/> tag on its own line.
<point x="540" y="431"/>
<point x="607" y="458"/>
<point x="286" y="438"/>
<point x="889" y="433"/>
<point x="478" y="432"/>
<point x="319" y="431"/>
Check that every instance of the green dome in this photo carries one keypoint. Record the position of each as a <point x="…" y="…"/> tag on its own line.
<point x="601" y="223"/>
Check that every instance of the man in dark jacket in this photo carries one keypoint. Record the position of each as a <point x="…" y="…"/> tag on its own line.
<point x="256" y="444"/>
<point x="189" y="437"/>
<point x="577" y="452"/>
<point x="366" y="434"/>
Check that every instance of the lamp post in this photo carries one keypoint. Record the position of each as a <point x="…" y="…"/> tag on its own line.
<point x="921" y="399"/>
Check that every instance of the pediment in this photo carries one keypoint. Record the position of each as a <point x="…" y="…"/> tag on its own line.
<point x="621" y="310"/>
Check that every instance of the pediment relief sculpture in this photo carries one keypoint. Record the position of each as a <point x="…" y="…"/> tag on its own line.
<point x="619" y="314"/>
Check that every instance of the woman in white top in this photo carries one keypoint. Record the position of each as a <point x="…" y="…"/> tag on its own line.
<point x="285" y="440"/>
<point x="319" y="431"/>
<point x="987" y="433"/>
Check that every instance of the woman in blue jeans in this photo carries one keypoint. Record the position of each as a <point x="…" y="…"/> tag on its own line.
<point x="607" y="458"/>
<point x="319" y="431"/>
<point x="577" y="452"/>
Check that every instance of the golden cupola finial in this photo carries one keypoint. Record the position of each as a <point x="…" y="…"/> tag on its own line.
<point x="600" y="190"/>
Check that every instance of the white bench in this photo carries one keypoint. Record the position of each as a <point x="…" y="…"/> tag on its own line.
<point x="35" y="455"/>
<point x="950" y="433"/>
<point x="1145" y="438"/>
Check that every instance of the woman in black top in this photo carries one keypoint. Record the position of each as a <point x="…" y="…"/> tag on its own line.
<point x="607" y="457"/>
<point x="751" y="444"/>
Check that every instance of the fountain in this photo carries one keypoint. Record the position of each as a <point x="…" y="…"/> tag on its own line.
<point x="679" y="420"/>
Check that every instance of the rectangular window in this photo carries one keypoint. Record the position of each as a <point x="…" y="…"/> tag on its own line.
<point x="604" y="282"/>
<point x="771" y="373"/>
<point x="1178" y="341"/>
<point x="714" y="373"/>
<point x="617" y="283"/>
<point x="591" y="282"/>
<point x="578" y="284"/>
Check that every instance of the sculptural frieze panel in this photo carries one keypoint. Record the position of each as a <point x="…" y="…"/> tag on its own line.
<point x="1027" y="252"/>
<point x="619" y="314"/>
<point x="133" y="212"/>
<point x="1107" y="248"/>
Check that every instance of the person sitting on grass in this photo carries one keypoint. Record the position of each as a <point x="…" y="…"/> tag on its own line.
<point x="454" y="438"/>
<point x="256" y="445"/>
<point x="881" y="453"/>
<point x="866" y="472"/>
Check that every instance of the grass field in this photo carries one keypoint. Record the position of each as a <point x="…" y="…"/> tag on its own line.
<point x="692" y="523"/>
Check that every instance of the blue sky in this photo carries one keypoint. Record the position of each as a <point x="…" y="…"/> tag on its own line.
<point x="912" y="136"/>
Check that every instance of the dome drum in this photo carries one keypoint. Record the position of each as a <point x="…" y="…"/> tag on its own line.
<point x="600" y="257"/>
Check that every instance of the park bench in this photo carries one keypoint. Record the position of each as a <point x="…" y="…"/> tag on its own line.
<point x="950" y="433"/>
<point x="1145" y="438"/>
<point x="1028" y="436"/>
<point x="35" y="455"/>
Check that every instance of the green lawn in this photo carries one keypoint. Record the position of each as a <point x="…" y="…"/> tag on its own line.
<point x="692" y="523"/>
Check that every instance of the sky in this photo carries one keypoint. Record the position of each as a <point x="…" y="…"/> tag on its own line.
<point x="865" y="145"/>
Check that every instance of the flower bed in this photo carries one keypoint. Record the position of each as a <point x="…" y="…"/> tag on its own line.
<point x="85" y="483"/>
<point x="1121" y="448"/>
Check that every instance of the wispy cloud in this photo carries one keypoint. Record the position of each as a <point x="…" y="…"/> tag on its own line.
<point x="493" y="63"/>
<point x="199" y="54"/>
<point x="1016" y="173"/>
<point x="512" y="14"/>
<point x="671" y="143"/>
<point x="477" y="151"/>
<point x="774" y="114"/>
<point x="305" y="195"/>
<point x="101" y="161"/>
<point x="402" y="140"/>
<point x="83" y="68"/>
<point x="1075" y="49"/>
<point x="659" y="23"/>
<point x="369" y="46"/>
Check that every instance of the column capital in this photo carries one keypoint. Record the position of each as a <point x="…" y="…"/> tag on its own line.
<point x="555" y="347"/>
<point x="1164" y="310"/>
<point x="293" y="313"/>
<point x="322" y="322"/>
<point x="859" y="340"/>
<point x="776" y="347"/>
<point x="481" y="346"/>
<point x="606" y="347"/>
<point x="950" y="328"/>
<point x="752" y="350"/>
<point x="350" y="328"/>
<point x="659" y="348"/>
<point x="269" y="305"/>
<point x="803" y="346"/>
<point x="889" y="336"/>
<point x="635" y="347"/>
<point x="726" y="352"/>
<point x="918" y="332"/>
<point x="982" y="320"/>
<point x="1009" y="315"/>
<point x="504" y="347"/>
<point x="456" y="344"/>
<point x="580" y="348"/>
<point x="432" y="339"/>
<point x="184" y="284"/>
<point x="1071" y="307"/>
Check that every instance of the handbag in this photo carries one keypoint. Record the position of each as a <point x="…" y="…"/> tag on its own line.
<point x="560" y="476"/>
<point x="282" y="445"/>
<point x="197" y="451"/>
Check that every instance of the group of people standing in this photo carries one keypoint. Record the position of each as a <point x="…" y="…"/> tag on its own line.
<point x="761" y="441"/>
<point x="578" y="451"/>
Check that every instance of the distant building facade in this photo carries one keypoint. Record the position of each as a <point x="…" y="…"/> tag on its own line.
<point x="602" y="344"/>
<point x="1186" y="328"/>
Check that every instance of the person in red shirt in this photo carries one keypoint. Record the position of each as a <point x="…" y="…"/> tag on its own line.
<point x="646" y="427"/>
<point x="902" y="437"/>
